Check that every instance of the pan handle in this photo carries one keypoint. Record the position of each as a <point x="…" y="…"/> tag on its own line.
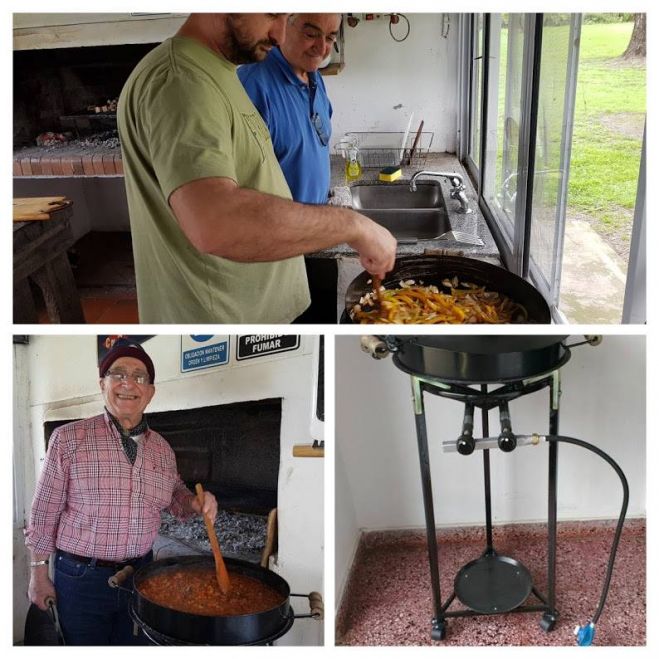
<point x="379" y="347"/>
<point x="54" y="615"/>
<point x="118" y="578"/>
<point x="374" y="346"/>
<point x="316" y="605"/>
<point x="591" y="339"/>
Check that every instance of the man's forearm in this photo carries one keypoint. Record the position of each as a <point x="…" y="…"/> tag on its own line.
<point x="41" y="588"/>
<point x="291" y="229"/>
<point x="245" y="225"/>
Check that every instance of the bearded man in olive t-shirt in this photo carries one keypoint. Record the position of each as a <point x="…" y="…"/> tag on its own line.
<point x="216" y="237"/>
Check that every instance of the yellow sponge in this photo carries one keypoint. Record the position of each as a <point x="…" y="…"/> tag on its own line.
<point x="389" y="174"/>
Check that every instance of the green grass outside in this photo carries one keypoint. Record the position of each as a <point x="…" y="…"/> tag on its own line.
<point x="605" y="160"/>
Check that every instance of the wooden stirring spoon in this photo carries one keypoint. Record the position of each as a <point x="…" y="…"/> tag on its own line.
<point x="221" y="573"/>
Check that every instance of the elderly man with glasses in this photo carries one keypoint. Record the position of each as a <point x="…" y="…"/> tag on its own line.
<point x="290" y="95"/>
<point x="97" y="505"/>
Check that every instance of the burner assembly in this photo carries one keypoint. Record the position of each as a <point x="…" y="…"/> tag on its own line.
<point x="488" y="372"/>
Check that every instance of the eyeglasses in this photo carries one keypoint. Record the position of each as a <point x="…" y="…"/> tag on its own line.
<point x="313" y="34"/>
<point x="320" y="128"/>
<point x="122" y="376"/>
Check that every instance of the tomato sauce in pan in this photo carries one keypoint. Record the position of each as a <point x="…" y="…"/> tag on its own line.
<point x="195" y="590"/>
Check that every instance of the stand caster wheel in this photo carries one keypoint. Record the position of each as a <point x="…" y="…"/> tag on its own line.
<point x="438" y="631"/>
<point x="548" y="621"/>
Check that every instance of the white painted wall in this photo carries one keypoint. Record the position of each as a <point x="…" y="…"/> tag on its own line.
<point x="62" y="383"/>
<point x="346" y="528"/>
<point x="603" y="403"/>
<point x="21" y="457"/>
<point x="384" y="82"/>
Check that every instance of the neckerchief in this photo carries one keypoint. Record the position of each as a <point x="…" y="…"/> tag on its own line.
<point x="127" y="441"/>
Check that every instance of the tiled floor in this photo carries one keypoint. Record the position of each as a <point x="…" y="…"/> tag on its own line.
<point x="103" y="268"/>
<point x="110" y="309"/>
<point x="388" y="598"/>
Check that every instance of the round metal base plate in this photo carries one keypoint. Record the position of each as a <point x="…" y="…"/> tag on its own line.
<point x="493" y="584"/>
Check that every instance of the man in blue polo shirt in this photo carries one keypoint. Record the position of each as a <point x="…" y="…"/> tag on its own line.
<point x="290" y="95"/>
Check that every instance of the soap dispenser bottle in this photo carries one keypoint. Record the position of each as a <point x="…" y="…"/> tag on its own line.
<point x="353" y="166"/>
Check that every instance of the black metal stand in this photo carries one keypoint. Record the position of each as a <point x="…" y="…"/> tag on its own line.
<point x="491" y="584"/>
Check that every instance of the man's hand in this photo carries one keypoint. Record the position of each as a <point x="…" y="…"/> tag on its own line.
<point x="41" y="587"/>
<point x="376" y="247"/>
<point x="210" y="506"/>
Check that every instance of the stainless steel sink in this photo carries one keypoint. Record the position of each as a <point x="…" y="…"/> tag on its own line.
<point x="410" y="216"/>
<point x="397" y="196"/>
<point x="411" y="224"/>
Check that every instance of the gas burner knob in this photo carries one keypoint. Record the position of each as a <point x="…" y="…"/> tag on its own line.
<point x="465" y="445"/>
<point x="507" y="441"/>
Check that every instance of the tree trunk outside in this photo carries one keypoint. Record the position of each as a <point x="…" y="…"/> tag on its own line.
<point x="636" y="47"/>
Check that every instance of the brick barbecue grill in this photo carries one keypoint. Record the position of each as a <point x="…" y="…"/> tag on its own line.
<point x="53" y="90"/>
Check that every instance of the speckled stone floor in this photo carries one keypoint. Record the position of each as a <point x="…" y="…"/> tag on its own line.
<point x="388" y="599"/>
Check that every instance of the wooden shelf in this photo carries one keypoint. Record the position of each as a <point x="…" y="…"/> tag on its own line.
<point x="308" y="451"/>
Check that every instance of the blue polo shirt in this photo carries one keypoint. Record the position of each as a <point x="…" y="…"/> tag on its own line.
<point x="299" y="119"/>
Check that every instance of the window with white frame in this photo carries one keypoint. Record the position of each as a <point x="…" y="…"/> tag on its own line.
<point x="551" y="101"/>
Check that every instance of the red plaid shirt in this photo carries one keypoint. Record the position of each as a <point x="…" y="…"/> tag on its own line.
<point x="91" y="501"/>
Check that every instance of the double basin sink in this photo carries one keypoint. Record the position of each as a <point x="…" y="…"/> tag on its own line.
<point x="410" y="216"/>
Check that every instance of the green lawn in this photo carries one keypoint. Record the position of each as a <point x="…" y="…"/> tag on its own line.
<point x="609" y="113"/>
<point x="606" y="147"/>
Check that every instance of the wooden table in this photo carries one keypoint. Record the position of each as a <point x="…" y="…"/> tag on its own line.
<point x="42" y="236"/>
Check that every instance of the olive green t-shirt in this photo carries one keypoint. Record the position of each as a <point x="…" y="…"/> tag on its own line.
<point x="183" y="115"/>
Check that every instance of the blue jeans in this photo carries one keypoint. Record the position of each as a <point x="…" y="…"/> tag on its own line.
<point x="90" y="611"/>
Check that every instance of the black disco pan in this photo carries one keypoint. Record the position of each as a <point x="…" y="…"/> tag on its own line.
<point x="478" y="358"/>
<point x="247" y="629"/>
<point x="433" y="270"/>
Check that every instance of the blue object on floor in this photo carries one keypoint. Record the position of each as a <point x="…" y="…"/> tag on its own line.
<point x="585" y="634"/>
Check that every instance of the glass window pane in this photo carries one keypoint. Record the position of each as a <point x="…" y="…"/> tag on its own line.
<point x="500" y="182"/>
<point x="549" y="166"/>
<point x="610" y="111"/>
<point x="476" y="91"/>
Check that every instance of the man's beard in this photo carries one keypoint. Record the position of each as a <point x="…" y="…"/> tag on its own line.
<point x="240" y="49"/>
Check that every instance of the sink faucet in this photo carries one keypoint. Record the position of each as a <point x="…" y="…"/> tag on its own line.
<point x="457" y="187"/>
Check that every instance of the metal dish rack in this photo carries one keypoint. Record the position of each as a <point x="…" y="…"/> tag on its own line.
<point x="385" y="149"/>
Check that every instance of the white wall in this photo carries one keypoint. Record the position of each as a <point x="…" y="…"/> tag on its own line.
<point x="384" y="81"/>
<point x="21" y="455"/>
<point x="62" y="383"/>
<point x="603" y="403"/>
<point x="346" y="527"/>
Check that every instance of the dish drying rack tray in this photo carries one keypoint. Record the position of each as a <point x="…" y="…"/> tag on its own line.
<point x="384" y="149"/>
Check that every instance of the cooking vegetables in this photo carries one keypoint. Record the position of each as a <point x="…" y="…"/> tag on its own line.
<point x="457" y="303"/>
